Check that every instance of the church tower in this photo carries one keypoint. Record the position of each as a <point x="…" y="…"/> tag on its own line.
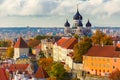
<point x="20" y="48"/>
<point x="88" y="28"/>
<point x="67" y="27"/>
<point x="76" y="19"/>
<point x="79" y="27"/>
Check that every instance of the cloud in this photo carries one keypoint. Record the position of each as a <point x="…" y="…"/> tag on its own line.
<point x="58" y="7"/>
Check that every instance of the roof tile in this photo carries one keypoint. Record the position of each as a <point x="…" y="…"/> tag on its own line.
<point x="21" y="43"/>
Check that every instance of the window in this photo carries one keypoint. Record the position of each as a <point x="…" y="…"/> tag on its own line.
<point x="113" y="67"/>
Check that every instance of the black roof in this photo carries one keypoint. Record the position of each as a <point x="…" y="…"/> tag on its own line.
<point x="80" y="23"/>
<point x="88" y="24"/>
<point x="67" y="24"/>
<point x="77" y="16"/>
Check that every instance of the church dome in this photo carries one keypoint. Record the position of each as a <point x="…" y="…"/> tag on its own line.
<point x="88" y="24"/>
<point x="77" y="16"/>
<point x="67" y="24"/>
<point x="80" y="23"/>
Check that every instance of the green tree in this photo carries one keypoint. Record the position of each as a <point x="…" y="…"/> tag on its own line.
<point x="81" y="48"/>
<point x="58" y="71"/>
<point x="10" y="52"/>
<point x="40" y="37"/>
<point x="76" y="36"/>
<point x="41" y="54"/>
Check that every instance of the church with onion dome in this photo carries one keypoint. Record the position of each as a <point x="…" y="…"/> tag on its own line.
<point x="77" y="27"/>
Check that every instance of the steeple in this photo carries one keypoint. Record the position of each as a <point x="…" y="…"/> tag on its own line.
<point x="77" y="16"/>
<point x="88" y="24"/>
<point x="67" y="24"/>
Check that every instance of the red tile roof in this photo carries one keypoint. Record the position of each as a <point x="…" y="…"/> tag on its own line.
<point x="67" y="43"/>
<point x="3" y="75"/>
<point x="21" y="43"/>
<point x="41" y="73"/>
<point x="38" y="47"/>
<point x="19" y="67"/>
<point x="61" y="41"/>
<point x="105" y="51"/>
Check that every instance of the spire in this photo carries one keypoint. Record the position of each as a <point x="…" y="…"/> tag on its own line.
<point x="67" y="24"/>
<point x="77" y="15"/>
<point x="88" y="24"/>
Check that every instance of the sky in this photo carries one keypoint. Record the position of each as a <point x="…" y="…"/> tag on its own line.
<point x="53" y="13"/>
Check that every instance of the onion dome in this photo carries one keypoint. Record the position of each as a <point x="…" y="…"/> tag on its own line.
<point x="80" y="23"/>
<point x="77" y="16"/>
<point x="67" y="24"/>
<point x="88" y="24"/>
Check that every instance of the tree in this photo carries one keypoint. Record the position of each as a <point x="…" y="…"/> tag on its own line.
<point x="58" y="71"/>
<point x="5" y="43"/>
<point x="33" y="42"/>
<point x="46" y="63"/>
<point x="115" y="75"/>
<point x="40" y="37"/>
<point x="97" y="37"/>
<point x="10" y="52"/>
<point x="76" y="36"/>
<point x="41" y="54"/>
<point x="81" y="48"/>
<point x="101" y="38"/>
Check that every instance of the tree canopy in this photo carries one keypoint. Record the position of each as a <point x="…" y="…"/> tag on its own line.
<point x="81" y="48"/>
<point x="10" y="52"/>
<point x="101" y="38"/>
<point x="58" y="71"/>
<point x="115" y="75"/>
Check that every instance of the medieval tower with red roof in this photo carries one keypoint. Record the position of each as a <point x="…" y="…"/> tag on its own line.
<point x="20" y="48"/>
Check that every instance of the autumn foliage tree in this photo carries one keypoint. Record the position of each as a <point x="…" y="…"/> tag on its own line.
<point x="81" y="48"/>
<point x="46" y="63"/>
<point x="115" y="75"/>
<point x="10" y="52"/>
<point x="33" y="42"/>
<point x="101" y="38"/>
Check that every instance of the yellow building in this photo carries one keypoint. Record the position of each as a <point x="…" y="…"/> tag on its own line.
<point x="102" y="60"/>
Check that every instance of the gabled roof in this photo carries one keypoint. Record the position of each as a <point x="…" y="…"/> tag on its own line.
<point x="18" y="67"/>
<point x="69" y="44"/>
<point x="41" y="73"/>
<point x="21" y="43"/>
<point x="61" y="41"/>
<point x="3" y="75"/>
<point x="105" y="51"/>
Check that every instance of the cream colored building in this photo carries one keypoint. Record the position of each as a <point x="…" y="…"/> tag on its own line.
<point x="20" y="48"/>
<point x="62" y="48"/>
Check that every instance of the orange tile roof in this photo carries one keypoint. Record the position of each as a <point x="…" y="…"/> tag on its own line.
<point x="118" y="45"/>
<point x="105" y="51"/>
<point x="41" y="73"/>
<point x="19" y="67"/>
<point x="3" y="75"/>
<point x="67" y="43"/>
<point x="38" y="47"/>
<point x="21" y="43"/>
<point x="61" y="41"/>
<point x="70" y="43"/>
